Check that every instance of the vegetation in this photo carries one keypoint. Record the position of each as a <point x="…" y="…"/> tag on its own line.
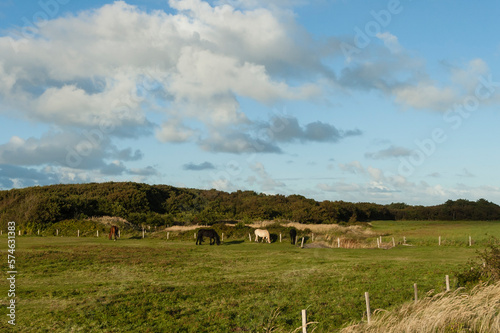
<point x="475" y="308"/>
<point x="484" y="269"/>
<point x="162" y="205"/>
<point x="90" y="284"/>
<point x="458" y="311"/>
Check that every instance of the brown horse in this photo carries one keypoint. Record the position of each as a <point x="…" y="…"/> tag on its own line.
<point x="113" y="232"/>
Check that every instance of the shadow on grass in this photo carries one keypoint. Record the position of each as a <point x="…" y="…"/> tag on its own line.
<point x="233" y="242"/>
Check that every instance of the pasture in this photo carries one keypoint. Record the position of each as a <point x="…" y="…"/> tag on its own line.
<point x="89" y="284"/>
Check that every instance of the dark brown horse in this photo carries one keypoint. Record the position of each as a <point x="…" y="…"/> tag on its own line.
<point x="211" y="233"/>
<point x="293" y="235"/>
<point x="113" y="232"/>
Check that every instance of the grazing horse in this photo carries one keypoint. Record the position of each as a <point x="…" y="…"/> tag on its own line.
<point x="113" y="232"/>
<point x="293" y="235"/>
<point x="214" y="237"/>
<point x="262" y="233"/>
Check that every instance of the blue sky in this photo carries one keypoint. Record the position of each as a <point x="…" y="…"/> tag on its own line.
<point x="379" y="101"/>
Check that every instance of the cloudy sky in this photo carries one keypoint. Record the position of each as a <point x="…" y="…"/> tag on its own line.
<point x="379" y="101"/>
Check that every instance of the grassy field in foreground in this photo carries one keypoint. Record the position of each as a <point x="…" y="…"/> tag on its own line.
<point x="69" y="284"/>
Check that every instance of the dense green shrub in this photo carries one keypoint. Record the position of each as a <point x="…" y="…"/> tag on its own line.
<point x="485" y="268"/>
<point x="162" y="205"/>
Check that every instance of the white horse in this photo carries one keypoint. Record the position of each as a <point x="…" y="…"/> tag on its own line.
<point x="262" y="233"/>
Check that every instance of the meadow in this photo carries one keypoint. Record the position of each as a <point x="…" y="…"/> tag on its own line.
<point x="90" y="284"/>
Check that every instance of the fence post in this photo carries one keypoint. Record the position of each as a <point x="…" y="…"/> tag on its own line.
<point x="416" y="292"/>
<point x="378" y="243"/>
<point x="404" y="239"/>
<point x="119" y="233"/>
<point x="312" y="237"/>
<point x="447" y="283"/>
<point x="249" y="237"/>
<point x="439" y="240"/>
<point x="78" y="233"/>
<point x="97" y="233"/>
<point x="57" y="232"/>
<point x="368" y="313"/>
<point x="39" y="232"/>
<point x="393" y="242"/>
<point x="280" y="238"/>
<point x="304" y="321"/>
<point x="338" y="241"/>
<point x="168" y="235"/>
<point x="470" y="241"/>
<point x="143" y="232"/>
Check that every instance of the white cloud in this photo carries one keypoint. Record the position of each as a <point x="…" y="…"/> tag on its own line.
<point x="426" y="95"/>
<point x="390" y="41"/>
<point x="264" y="179"/>
<point x="80" y="69"/>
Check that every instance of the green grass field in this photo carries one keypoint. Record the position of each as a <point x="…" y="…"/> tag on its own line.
<point x="86" y="284"/>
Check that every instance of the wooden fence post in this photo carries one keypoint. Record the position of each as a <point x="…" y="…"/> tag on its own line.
<point x="378" y="243"/>
<point x="97" y="233"/>
<point x="338" y="242"/>
<point x="57" y="232"/>
<point x="393" y="242"/>
<point x="304" y="321"/>
<point x="143" y="232"/>
<point x="368" y="313"/>
<point x="38" y="231"/>
<point x="249" y="237"/>
<point x="439" y="240"/>
<point x="78" y="233"/>
<point x="280" y="238"/>
<point x="447" y="283"/>
<point x="168" y="235"/>
<point x="416" y="292"/>
<point x="404" y="239"/>
<point x="470" y="241"/>
<point x="302" y="245"/>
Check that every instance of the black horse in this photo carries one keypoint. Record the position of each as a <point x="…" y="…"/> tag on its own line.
<point x="214" y="237"/>
<point x="293" y="235"/>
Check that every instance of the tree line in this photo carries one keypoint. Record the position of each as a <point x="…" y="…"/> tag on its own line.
<point x="36" y="207"/>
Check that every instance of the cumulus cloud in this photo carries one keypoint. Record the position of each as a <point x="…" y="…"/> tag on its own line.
<point x="288" y="129"/>
<point x="198" y="167"/>
<point x="391" y="152"/>
<point x="18" y="176"/>
<point x="263" y="178"/>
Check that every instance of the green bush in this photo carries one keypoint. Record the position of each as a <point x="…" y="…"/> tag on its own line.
<point x="485" y="268"/>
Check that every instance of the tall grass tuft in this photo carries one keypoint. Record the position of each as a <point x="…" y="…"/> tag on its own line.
<point x="459" y="311"/>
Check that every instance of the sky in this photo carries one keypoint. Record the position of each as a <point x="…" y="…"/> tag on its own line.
<point x="362" y="101"/>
